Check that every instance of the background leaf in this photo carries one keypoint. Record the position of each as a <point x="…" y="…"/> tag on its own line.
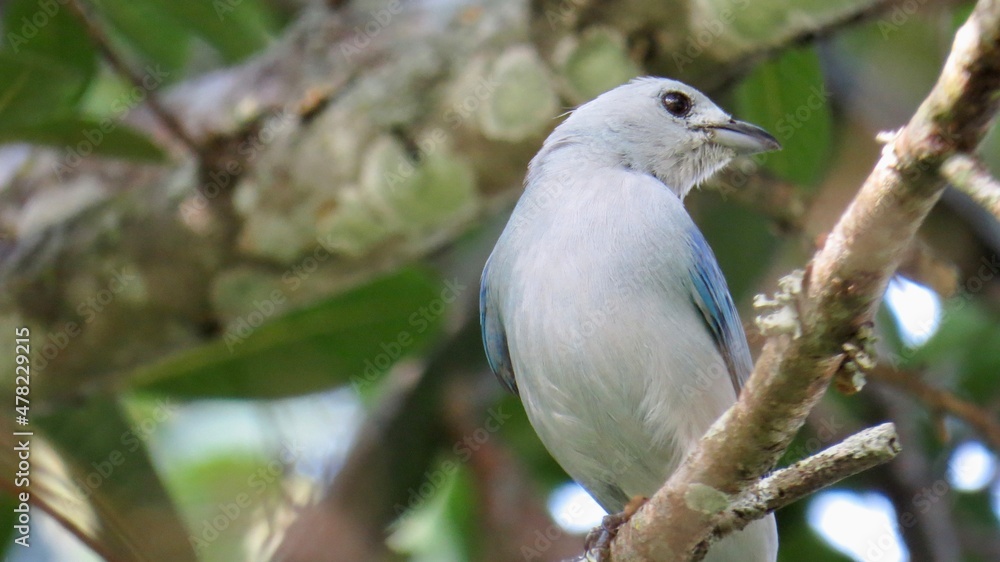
<point x="351" y="338"/>
<point x="82" y="136"/>
<point x="237" y="28"/>
<point x="47" y="42"/>
<point x="787" y="96"/>
<point x="35" y="88"/>
<point x="150" y="30"/>
<point x="109" y="469"/>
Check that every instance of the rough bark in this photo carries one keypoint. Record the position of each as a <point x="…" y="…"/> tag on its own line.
<point x="855" y="454"/>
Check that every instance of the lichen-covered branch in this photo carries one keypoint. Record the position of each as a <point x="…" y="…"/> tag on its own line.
<point x="855" y="454"/>
<point x="307" y="148"/>
<point x="844" y="284"/>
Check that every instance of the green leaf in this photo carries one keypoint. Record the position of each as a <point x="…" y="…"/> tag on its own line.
<point x="49" y="32"/>
<point x="109" y="470"/>
<point x="80" y="137"/>
<point x="787" y="96"/>
<point x="150" y="30"/>
<point x="352" y="338"/>
<point x="237" y="28"/>
<point x="35" y="88"/>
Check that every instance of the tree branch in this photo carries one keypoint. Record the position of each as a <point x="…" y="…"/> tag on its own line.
<point x="969" y="176"/>
<point x="103" y="45"/>
<point x="941" y="401"/>
<point x="855" y="454"/>
<point x="844" y="284"/>
<point x="300" y="137"/>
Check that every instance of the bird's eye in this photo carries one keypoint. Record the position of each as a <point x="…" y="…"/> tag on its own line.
<point x="677" y="103"/>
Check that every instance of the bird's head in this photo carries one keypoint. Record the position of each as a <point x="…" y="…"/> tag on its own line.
<point x="664" y="128"/>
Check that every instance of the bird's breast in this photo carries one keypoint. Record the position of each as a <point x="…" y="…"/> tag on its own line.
<point x="606" y="344"/>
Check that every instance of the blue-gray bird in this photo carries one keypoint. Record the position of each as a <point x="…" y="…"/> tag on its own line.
<point x="602" y="305"/>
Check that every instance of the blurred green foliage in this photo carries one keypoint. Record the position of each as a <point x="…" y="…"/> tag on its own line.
<point x="48" y="62"/>
<point x="788" y="97"/>
<point x="54" y="91"/>
<point x="350" y="339"/>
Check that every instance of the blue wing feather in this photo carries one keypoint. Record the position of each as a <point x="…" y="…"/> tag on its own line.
<point x="711" y="296"/>
<point x="494" y="336"/>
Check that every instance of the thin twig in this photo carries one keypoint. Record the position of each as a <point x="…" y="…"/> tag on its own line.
<point x="942" y="401"/>
<point x="857" y="453"/>
<point x="103" y="45"/>
<point x="969" y="176"/>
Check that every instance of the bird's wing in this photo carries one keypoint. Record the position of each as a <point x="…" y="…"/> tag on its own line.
<point x="494" y="336"/>
<point x="711" y="296"/>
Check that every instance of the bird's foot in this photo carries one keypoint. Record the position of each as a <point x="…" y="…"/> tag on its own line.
<point x="780" y="315"/>
<point x="859" y="360"/>
<point x="598" y="542"/>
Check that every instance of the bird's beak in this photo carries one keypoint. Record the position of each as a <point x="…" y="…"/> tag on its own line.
<point x="742" y="137"/>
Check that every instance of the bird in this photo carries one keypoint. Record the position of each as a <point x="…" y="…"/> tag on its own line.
<point x="602" y="305"/>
